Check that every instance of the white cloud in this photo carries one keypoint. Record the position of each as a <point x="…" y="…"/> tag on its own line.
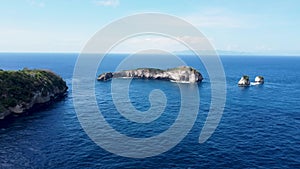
<point x="214" y="18"/>
<point x="146" y="42"/>
<point x="113" y="3"/>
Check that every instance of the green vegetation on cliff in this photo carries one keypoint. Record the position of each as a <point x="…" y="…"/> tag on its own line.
<point x="19" y="87"/>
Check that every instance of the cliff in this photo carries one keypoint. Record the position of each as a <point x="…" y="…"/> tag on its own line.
<point x="21" y="90"/>
<point x="183" y="74"/>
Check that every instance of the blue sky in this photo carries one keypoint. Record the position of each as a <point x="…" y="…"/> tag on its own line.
<point x="266" y="26"/>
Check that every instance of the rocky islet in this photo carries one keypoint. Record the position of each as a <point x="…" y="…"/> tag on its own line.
<point x="22" y="90"/>
<point x="244" y="81"/>
<point x="182" y="74"/>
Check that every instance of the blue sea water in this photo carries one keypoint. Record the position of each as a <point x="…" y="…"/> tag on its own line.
<point x="260" y="127"/>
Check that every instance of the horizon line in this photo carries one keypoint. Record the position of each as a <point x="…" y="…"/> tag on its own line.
<point x="77" y="52"/>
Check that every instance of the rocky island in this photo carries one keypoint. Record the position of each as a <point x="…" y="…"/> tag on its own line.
<point x="21" y="91"/>
<point x="182" y="74"/>
<point x="259" y="80"/>
<point x="244" y="81"/>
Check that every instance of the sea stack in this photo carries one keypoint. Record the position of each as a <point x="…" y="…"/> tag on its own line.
<point x="182" y="74"/>
<point x="259" y="80"/>
<point x="244" y="81"/>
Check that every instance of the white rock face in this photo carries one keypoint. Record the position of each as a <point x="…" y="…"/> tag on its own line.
<point x="182" y="74"/>
<point x="259" y="79"/>
<point x="38" y="98"/>
<point x="17" y="109"/>
<point x="244" y="81"/>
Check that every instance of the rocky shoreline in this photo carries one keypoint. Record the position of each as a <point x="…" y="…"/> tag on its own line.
<point x="182" y="74"/>
<point x="23" y="90"/>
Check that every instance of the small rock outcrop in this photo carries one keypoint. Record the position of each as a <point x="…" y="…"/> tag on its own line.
<point x="105" y="76"/>
<point x="244" y="81"/>
<point x="259" y="80"/>
<point x="182" y="74"/>
<point x="21" y="90"/>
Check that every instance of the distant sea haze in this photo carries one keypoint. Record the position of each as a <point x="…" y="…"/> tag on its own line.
<point x="271" y="53"/>
<point x="259" y="127"/>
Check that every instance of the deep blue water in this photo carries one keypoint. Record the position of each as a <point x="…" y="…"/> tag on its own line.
<point x="260" y="127"/>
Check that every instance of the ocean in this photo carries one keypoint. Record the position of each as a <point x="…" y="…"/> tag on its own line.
<point x="259" y="128"/>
